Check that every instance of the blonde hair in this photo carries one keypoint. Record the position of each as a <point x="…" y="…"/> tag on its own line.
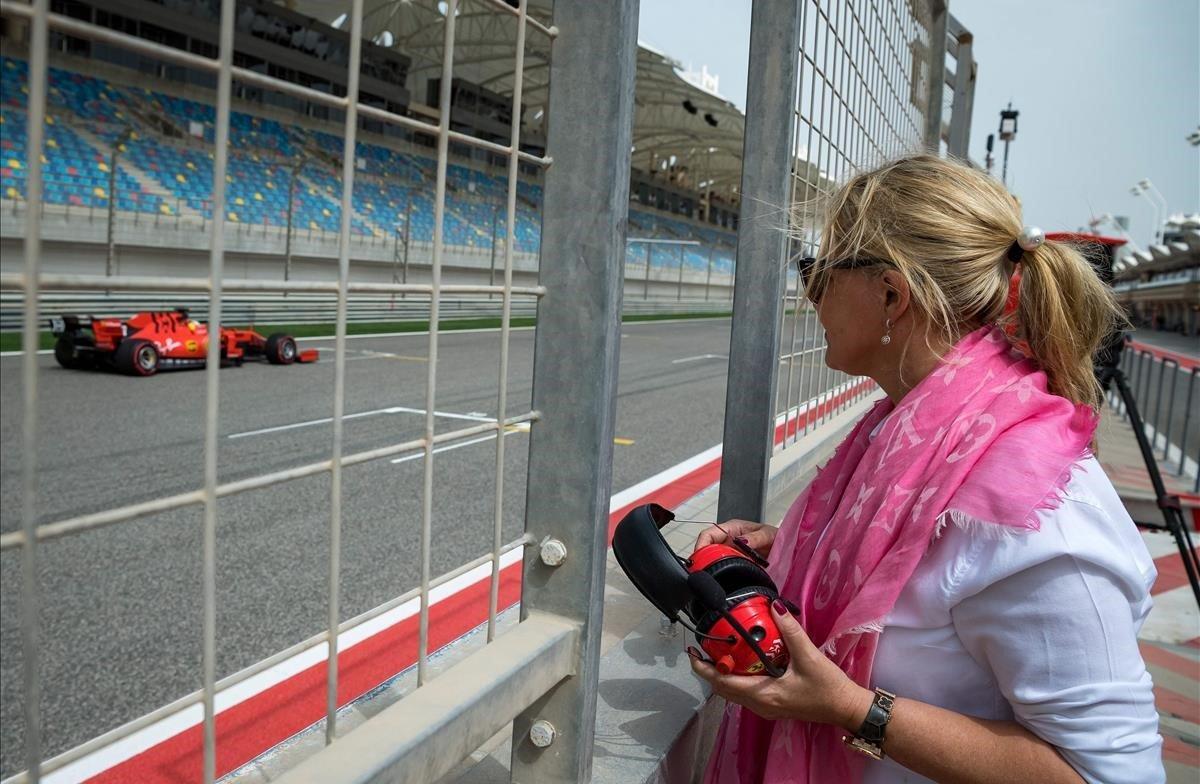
<point x="947" y="227"/>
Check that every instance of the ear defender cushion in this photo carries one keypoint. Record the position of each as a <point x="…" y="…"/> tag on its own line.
<point x="648" y="561"/>
<point x="705" y="619"/>
<point x="734" y="573"/>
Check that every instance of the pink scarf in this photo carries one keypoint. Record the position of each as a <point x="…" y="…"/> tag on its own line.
<point x="979" y="439"/>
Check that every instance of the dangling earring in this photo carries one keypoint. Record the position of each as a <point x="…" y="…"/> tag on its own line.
<point x="886" y="339"/>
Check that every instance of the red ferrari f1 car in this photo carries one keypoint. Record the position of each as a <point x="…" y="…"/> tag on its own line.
<point x="155" y="340"/>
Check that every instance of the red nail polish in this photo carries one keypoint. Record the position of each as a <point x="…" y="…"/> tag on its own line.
<point x="778" y="607"/>
<point x="695" y="654"/>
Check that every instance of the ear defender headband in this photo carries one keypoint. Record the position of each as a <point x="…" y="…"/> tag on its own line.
<point x="723" y="590"/>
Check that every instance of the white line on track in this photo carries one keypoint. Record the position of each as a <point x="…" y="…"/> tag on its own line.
<point x="439" y="450"/>
<point x="801" y="353"/>
<point x="362" y="355"/>
<point x="473" y="417"/>
<point x="698" y="358"/>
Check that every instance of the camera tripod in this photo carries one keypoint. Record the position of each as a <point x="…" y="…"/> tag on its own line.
<point x="1169" y="504"/>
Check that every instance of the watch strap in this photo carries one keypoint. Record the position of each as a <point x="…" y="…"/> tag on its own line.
<point x="870" y="736"/>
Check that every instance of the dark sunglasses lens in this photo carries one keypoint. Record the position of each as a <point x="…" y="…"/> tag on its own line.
<point x="805" y="268"/>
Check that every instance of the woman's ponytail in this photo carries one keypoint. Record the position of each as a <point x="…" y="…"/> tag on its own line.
<point x="948" y="228"/>
<point x="1064" y="313"/>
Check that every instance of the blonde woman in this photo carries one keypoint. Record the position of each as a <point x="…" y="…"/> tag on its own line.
<point x="969" y="585"/>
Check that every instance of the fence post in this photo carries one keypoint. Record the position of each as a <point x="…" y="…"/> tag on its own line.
<point x="964" y="90"/>
<point x="936" y="74"/>
<point x="757" y="294"/>
<point x="575" y="355"/>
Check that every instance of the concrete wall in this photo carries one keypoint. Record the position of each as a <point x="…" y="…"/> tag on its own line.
<point x="75" y="242"/>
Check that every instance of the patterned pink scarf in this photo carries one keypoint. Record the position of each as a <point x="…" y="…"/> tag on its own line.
<point x="979" y="439"/>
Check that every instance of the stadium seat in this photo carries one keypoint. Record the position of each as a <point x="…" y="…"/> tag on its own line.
<point x="391" y="187"/>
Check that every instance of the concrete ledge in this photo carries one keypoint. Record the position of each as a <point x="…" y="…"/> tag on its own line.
<point x="420" y="738"/>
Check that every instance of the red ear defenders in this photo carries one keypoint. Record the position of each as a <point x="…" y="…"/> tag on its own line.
<point x="723" y="590"/>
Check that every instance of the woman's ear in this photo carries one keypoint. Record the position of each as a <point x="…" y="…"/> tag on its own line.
<point x="896" y="293"/>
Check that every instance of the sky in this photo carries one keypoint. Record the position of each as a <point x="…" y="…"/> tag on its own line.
<point x="1107" y="92"/>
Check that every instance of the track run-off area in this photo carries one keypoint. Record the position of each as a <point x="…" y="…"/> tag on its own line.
<point x="121" y="606"/>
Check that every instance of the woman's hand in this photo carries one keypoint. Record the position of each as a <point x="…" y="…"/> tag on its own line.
<point x="757" y="536"/>
<point x="813" y="688"/>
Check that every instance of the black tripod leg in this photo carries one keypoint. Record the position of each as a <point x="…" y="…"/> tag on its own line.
<point x="1172" y="514"/>
<point x="1187" y="537"/>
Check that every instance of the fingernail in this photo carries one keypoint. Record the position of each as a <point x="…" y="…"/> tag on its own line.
<point x="695" y="654"/>
<point x="778" y="607"/>
<point x="741" y="539"/>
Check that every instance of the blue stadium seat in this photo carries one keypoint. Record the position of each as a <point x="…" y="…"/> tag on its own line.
<point x="259" y="176"/>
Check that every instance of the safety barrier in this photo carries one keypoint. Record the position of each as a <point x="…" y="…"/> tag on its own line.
<point x="1167" y="392"/>
<point x="302" y="308"/>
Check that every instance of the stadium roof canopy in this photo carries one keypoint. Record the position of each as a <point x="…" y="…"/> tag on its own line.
<point x="677" y="124"/>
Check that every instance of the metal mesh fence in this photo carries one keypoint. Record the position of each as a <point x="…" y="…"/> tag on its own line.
<point x="32" y="535"/>
<point x="870" y="75"/>
<point x="864" y="85"/>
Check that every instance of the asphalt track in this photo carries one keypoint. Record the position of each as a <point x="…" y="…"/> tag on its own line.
<point x="121" y="606"/>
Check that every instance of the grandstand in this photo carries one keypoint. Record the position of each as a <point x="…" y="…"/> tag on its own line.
<point x="134" y="138"/>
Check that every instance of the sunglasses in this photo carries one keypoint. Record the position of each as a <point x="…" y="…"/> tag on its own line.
<point x="806" y="264"/>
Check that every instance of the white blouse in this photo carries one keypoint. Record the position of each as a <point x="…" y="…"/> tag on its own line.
<point x="1040" y="628"/>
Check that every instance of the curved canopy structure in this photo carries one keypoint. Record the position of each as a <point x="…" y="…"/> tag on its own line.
<point x="680" y="129"/>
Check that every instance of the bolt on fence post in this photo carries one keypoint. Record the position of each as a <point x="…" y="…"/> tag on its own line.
<point x="754" y="340"/>
<point x="576" y="350"/>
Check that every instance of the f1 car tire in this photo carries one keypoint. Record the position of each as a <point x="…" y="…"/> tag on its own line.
<point x="281" y="349"/>
<point x="136" y="358"/>
<point x="66" y="351"/>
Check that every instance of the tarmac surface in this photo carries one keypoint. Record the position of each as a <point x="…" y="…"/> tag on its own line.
<point x="121" y="606"/>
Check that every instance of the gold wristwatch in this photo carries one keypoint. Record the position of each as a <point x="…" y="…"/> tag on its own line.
<point x="869" y="738"/>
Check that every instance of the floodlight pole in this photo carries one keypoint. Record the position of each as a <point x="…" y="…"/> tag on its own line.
<point x="646" y="279"/>
<point x="708" y="276"/>
<point x="1008" y="132"/>
<point x="287" y="242"/>
<point x="114" y="154"/>
<point x="679" y="285"/>
<point x="1149" y="187"/>
<point x="492" y="274"/>
<point x="407" y="237"/>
